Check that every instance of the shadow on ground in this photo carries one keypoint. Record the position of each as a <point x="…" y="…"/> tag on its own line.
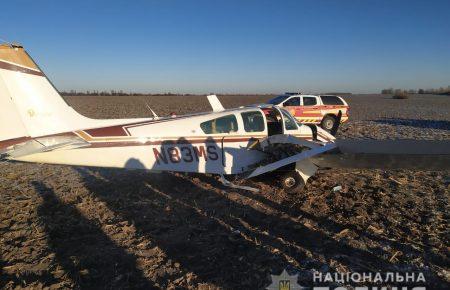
<point x="82" y="250"/>
<point x="226" y="238"/>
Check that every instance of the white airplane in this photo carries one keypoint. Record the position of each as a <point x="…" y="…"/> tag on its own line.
<point x="37" y="125"/>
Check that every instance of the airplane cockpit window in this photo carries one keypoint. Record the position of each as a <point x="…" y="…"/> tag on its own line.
<point x="224" y="124"/>
<point x="253" y="121"/>
<point x="289" y="122"/>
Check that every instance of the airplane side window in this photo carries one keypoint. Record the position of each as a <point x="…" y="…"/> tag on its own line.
<point x="225" y="124"/>
<point x="253" y="122"/>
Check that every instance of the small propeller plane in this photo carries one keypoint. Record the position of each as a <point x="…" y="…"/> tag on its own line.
<point x="37" y="125"/>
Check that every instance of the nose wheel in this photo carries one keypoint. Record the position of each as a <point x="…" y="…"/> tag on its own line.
<point x="292" y="182"/>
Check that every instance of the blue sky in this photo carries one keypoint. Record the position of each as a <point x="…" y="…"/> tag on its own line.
<point x="234" y="46"/>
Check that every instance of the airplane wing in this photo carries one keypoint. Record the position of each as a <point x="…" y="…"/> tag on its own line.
<point x="375" y="154"/>
<point x="387" y="154"/>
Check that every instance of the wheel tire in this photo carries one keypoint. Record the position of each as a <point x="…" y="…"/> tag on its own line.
<point x="292" y="182"/>
<point x="328" y="123"/>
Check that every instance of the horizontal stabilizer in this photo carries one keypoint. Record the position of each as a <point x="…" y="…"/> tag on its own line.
<point x="44" y="144"/>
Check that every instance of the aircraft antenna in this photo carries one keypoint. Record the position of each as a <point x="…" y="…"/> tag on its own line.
<point x="150" y="109"/>
<point x="5" y="41"/>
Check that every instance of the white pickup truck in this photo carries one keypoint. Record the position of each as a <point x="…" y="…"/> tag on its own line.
<point x="314" y="109"/>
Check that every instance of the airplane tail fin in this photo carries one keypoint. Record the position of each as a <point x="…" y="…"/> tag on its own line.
<point x="30" y="106"/>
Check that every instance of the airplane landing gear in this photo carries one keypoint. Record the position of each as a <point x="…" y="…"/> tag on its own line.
<point x="292" y="182"/>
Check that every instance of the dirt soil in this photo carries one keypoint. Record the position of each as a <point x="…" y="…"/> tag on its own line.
<point x="75" y="227"/>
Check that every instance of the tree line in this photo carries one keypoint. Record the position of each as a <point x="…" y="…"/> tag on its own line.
<point x="115" y="93"/>
<point x="122" y="93"/>
<point x="439" y="91"/>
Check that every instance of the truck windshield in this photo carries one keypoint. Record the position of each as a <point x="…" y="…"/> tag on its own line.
<point x="277" y="100"/>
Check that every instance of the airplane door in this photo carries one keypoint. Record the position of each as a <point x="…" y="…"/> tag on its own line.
<point x="274" y="121"/>
<point x="289" y="123"/>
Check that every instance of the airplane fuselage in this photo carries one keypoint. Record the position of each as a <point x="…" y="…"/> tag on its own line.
<point x="186" y="143"/>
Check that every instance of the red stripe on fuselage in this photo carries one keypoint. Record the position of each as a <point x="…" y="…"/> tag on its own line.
<point x="10" y="142"/>
<point x="122" y="130"/>
<point x="171" y="142"/>
<point x="12" y="67"/>
<point x="113" y="131"/>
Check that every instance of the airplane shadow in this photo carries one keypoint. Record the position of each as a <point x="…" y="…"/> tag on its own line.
<point x="222" y="236"/>
<point x="417" y="123"/>
<point x="179" y="222"/>
<point x="86" y="254"/>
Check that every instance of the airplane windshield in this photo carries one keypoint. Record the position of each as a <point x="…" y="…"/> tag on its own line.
<point x="289" y="121"/>
<point x="277" y="100"/>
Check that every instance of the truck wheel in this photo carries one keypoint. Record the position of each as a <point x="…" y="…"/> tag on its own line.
<point x="291" y="182"/>
<point x="328" y="123"/>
